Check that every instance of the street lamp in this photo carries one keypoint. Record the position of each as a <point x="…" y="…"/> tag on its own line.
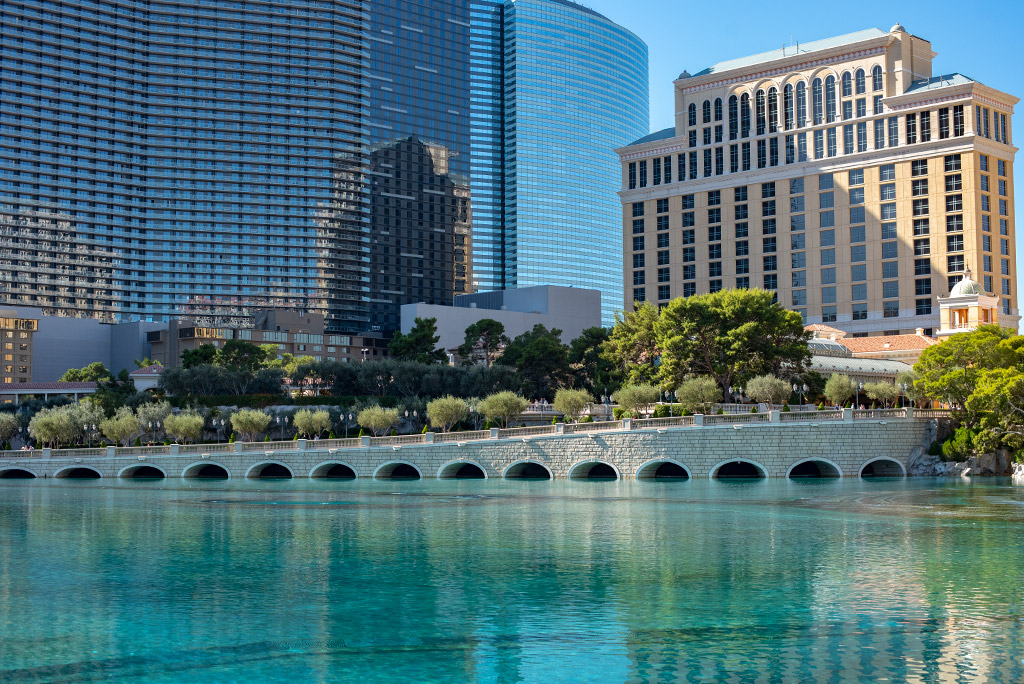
<point x="283" y="422"/>
<point x="85" y="428"/>
<point x="348" y="419"/>
<point x="364" y="350"/>
<point x="472" y="412"/>
<point x="802" y="389"/>
<point x="153" y="427"/>
<point x="860" y="388"/>
<point x="903" y="392"/>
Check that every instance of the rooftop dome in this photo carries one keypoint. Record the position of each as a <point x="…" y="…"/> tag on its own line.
<point x="966" y="287"/>
<point x="898" y="28"/>
<point x="685" y="74"/>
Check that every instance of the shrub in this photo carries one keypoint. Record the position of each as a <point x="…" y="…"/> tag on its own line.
<point x="618" y="412"/>
<point x="753" y="409"/>
<point x="935" y="449"/>
<point x="960" y="446"/>
<point x="785" y="408"/>
<point x="821" y="406"/>
<point x="721" y="411"/>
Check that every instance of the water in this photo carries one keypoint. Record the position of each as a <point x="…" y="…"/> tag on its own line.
<point x="491" y="581"/>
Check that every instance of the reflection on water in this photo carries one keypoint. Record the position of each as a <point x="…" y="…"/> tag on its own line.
<point x="505" y="581"/>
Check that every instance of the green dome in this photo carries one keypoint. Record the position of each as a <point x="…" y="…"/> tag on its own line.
<point x="966" y="287"/>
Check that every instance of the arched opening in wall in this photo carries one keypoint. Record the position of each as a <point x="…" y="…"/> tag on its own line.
<point x="882" y="467"/>
<point x="398" y="471"/>
<point x="594" y="470"/>
<point x="79" y="474"/>
<point x="209" y="471"/>
<point x="270" y="471"/>
<point x="738" y="470"/>
<point x="460" y="470"/>
<point x="16" y="474"/>
<point x="527" y="470"/>
<point x="144" y="473"/>
<point x="334" y="471"/>
<point x="813" y="469"/>
<point x="668" y="471"/>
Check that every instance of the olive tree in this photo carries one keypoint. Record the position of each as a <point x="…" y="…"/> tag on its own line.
<point x="503" y="406"/>
<point x="699" y="394"/>
<point x="882" y="392"/>
<point x="310" y="423"/>
<point x="153" y="413"/>
<point x="249" y="423"/>
<point x="636" y="399"/>
<point x="120" y="427"/>
<point x="53" y="426"/>
<point x="8" y="426"/>
<point x="186" y="426"/>
<point x="446" y="411"/>
<point x="377" y="419"/>
<point x="768" y="389"/>
<point x="572" y="403"/>
<point x="839" y="389"/>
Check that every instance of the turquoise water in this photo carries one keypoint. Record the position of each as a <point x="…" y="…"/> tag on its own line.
<point x="498" y="581"/>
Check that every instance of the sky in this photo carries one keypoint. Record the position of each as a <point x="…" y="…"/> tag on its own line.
<point x="984" y="41"/>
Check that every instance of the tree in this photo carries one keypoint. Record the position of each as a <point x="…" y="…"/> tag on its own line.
<point x="249" y="423"/>
<point x="203" y="355"/>
<point x="572" y="403"/>
<point x="89" y="412"/>
<point x="420" y="344"/>
<point x="768" y="389"/>
<point x="999" y="399"/>
<point x="731" y="335"/>
<point x="633" y="346"/>
<point x="881" y="392"/>
<point x="311" y="423"/>
<point x="907" y="378"/>
<point x="949" y="372"/>
<point x="591" y="367"/>
<point x="120" y="427"/>
<point x="486" y="337"/>
<point x="146" y="362"/>
<point x="53" y="426"/>
<point x="540" y="360"/>
<point x="240" y="355"/>
<point x="502" y="407"/>
<point x="185" y="427"/>
<point x="377" y="419"/>
<point x="153" y="413"/>
<point x="8" y="426"/>
<point x="94" y="372"/>
<point x="699" y="394"/>
<point x="637" y="399"/>
<point x="446" y="411"/>
<point x="839" y="389"/>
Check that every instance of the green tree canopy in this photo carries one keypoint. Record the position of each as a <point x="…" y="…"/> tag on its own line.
<point x="540" y="359"/>
<point x="420" y="344"/>
<point x="185" y="427"/>
<point x="241" y="355"/>
<point x="484" y="338"/>
<point x="377" y="419"/>
<point x="146" y="362"/>
<point x="310" y="423"/>
<point x="839" y="389"/>
<point x="590" y="364"/>
<point x="446" y="411"/>
<point x="730" y="335"/>
<point x="572" y="403"/>
<point x="949" y="372"/>
<point x="881" y="392"/>
<point x="699" y="394"/>
<point x="502" y="407"/>
<point x="249" y="423"/>
<point x="94" y="372"/>
<point x="8" y="425"/>
<point x="768" y="389"/>
<point x="633" y="345"/>
<point x="203" y="355"/>
<point x="637" y="399"/>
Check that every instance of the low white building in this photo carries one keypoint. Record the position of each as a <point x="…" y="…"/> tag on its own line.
<point x="569" y="309"/>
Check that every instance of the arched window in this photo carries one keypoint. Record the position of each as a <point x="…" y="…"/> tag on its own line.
<point x="876" y="78"/>
<point x="706" y="111"/>
<point x="734" y="118"/>
<point x="718" y="109"/>
<point x="759" y="112"/>
<point x="801" y="105"/>
<point x="859" y="82"/>
<point x="787" y="106"/>
<point x="830" y="99"/>
<point x="773" y="110"/>
<point x="692" y="118"/>
<point x="745" y="115"/>
<point x="819" y="116"/>
<point x="847" y="84"/>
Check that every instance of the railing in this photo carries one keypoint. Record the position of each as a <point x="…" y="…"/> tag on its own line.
<point x="687" y="422"/>
<point x="511" y="433"/>
<point x="876" y="414"/>
<point x="810" y="416"/>
<point x="648" y="423"/>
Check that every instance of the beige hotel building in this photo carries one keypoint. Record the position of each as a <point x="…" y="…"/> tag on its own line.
<point x="841" y="174"/>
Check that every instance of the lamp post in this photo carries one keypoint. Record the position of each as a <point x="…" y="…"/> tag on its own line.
<point x="153" y="427"/>
<point x="283" y="422"/>
<point x="364" y="350"/>
<point x="216" y="427"/>
<point x="348" y="419"/>
<point x="860" y="387"/>
<point x="903" y="393"/>
<point x="476" y="416"/>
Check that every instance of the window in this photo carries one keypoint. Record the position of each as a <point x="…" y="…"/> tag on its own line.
<point x="638" y="244"/>
<point x="714" y="233"/>
<point x="801" y="105"/>
<point x="768" y="244"/>
<point x="796" y="186"/>
<point x="714" y="286"/>
<point x="787" y="107"/>
<point x="688" y="255"/>
<point x="828" y="276"/>
<point x="888" y="211"/>
<point x="921" y="226"/>
<point x="887" y="192"/>
<point x="828" y="295"/>
<point x="926" y="126"/>
<point x="693" y="165"/>
<point x="922" y="287"/>
<point x="657" y="170"/>
<point x="858" y="253"/>
<point x="890" y="309"/>
<point x="745" y="115"/>
<point x="955" y="262"/>
<point x="944" y="123"/>
<point x="719" y="161"/>
<point x="718" y="109"/>
<point x="706" y="112"/>
<point x="681" y="166"/>
<point x="856" y="214"/>
<point x="919" y="167"/>
<point x="689" y="237"/>
<point x="734" y="158"/>
<point x="858" y="292"/>
<point x="762" y="154"/>
<point x="828" y="257"/>
<point x="745" y="156"/>
<point x="638" y="209"/>
<point x="919" y="187"/>
<point x="796" y="222"/>
<point x="773" y="110"/>
<point x="734" y="124"/>
<point x="1004" y="247"/>
<point x="771" y="281"/>
<point x="632" y="175"/>
<point x="847" y="84"/>
<point x="796" y="204"/>
<point x="1001" y="167"/>
<point x="768" y="226"/>
<point x="954" y="223"/>
<point x="797" y="241"/>
<point x="688" y="201"/>
<point x="742" y="266"/>
<point x="741" y="230"/>
<point x="663" y="275"/>
<point x="692" y="138"/>
<point x="830" y="98"/>
<point x="827" y="238"/>
<point x="826" y="200"/>
<point x="799" y="298"/>
<point x="847" y="110"/>
<point x="688" y="219"/>
<point x="715" y="269"/>
<point x="889" y="250"/>
<point x="759" y="112"/>
<point x="715" y="251"/>
<point x="830" y="138"/>
<point x="1002" y="187"/>
<point x="692" y="114"/>
<point x="879" y="134"/>
<point x="742" y="248"/>
<point x="819" y="144"/>
<point x="890" y="269"/>
<point x="639" y="277"/>
<point x="638" y="261"/>
<point x="639" y="295"/>
<point x="770" y="263"/>
<point x="643" y="174"/>
<point x="954" y="183"/>
<point x="922" y="267"/>
<point x="664" y="292"/>
<point x="707" y="163"/>
<point x="860" y="312"/>
<point x="887" y="172"/>
<point x="958" y="120"/>
<point x="799" y="259"/>
<point x="826" y="219"/>
<point x="663" y="240"/>
<point x="911" y="129"/>
<point x="920" y="207"/>
<point x="742" y="283"/>
<point x="848" y="139"/>
<point x="799" y="279"/>
<point x="923" y="307"/>
<point x="876" y="78"/>
<point x="954" y="203"/>
<point x="894" y="131"/>
<point x="922" y="247"/>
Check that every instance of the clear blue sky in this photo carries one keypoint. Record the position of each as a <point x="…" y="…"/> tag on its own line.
<point x="983" y="40"/>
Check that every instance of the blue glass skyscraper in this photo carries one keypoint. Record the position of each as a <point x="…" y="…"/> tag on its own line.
<point x="211" y="157"/>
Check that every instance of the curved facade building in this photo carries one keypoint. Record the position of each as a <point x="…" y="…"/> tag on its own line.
<point x="576" y="88"/>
